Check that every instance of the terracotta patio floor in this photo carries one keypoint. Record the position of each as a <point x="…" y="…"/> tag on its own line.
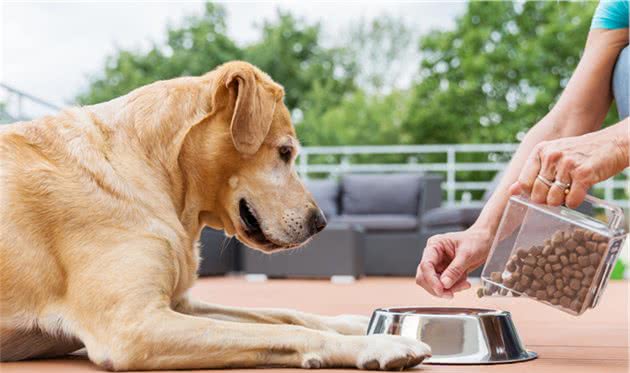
<point x="596" y="342"/>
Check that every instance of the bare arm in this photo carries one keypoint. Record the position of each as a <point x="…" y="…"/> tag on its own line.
<point x="581" y="109"/>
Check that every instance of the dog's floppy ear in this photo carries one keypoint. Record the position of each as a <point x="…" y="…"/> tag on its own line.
<point x="253" y="111"/>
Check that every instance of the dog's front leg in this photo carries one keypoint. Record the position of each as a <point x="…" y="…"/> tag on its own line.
<point x="165" y="339"/>
<point x="343" y="324"/>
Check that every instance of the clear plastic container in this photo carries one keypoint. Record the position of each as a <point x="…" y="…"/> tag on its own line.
<point x="555" y="255"/>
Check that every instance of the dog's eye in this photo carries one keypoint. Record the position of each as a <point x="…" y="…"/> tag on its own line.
<point x="285" y="152"/>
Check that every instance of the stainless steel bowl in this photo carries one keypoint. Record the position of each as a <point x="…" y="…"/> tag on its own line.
<point x="456" y="335"/>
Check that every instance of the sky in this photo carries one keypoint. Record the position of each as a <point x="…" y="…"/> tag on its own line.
<point x="50" y="49"/>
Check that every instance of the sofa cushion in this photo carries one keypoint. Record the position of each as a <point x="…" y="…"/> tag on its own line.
<point x="442" y="216"/>
<point x="396" y="194"/>
<point x="380" y="222"/>
<point x="326" y="194"/>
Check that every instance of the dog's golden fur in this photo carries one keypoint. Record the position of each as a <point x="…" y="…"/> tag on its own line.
<point x="100" y="209"/>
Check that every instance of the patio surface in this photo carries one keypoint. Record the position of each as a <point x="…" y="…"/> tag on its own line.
<point x="596" y="342"/>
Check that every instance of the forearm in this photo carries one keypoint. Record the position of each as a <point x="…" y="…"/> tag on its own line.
<point x="491" y="214"/>
<point x="581" y="109"/>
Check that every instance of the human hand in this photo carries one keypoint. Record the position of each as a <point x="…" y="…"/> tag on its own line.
<point x="448" y="258"/>
<point x="563" y="170"/>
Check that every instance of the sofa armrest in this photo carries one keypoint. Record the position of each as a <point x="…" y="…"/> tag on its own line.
<point x="449" y="216"/>
<point x="430" y="194"/>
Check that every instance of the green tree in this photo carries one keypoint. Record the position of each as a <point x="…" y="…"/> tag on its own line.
<point x="197" y="47"/>
<point x="290" y="50"/>
<point x="498" y="72"/>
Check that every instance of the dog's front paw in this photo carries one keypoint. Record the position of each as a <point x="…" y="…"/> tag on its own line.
<point x="390" y="352"/>
<point x="349" y="324"/>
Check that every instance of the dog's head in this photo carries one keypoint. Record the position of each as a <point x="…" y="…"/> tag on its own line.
<point x="245" y="163"/>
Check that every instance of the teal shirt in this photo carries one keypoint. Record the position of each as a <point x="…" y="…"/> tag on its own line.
<point x="611" y="14"/>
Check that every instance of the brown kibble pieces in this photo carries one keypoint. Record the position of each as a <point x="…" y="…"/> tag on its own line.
<point x="584" y="261"/>
<point x="557" y="237"/>
<point x="530" y="260"/>
<point x="571" y="244"/>
<point x="561" y="251"/>
<point x="495" y="277"/>
<point x="590" y="246"/>
<point x="595" y="258"/>
<point x="575" y="284"/>
<point x="525" y="280"/>
<point x="559" y="283"/>
<point x="559" y="272"/>
<point x="511" y="266"/>
<point x="548" y="278"/>
<point x="535" y="251"/>
<point x="588" y="271"/>
<point x="480" y="292"/>
<point x="536" y="285"/>
<point x="568" y="291"/>
<point x="567" y="271"/>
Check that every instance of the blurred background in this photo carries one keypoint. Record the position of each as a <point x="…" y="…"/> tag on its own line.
<point x="447" y="88"/>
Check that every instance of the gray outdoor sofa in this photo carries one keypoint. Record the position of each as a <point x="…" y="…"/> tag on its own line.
<point x="377" y="225"/>
<point x="373" y="220"/>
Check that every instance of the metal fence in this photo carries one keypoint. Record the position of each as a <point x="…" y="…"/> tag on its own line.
<point x="332" y="161"/>
<point x="14" y="104"/>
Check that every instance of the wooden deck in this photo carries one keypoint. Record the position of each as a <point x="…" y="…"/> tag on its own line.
<point x="596" y="342"/>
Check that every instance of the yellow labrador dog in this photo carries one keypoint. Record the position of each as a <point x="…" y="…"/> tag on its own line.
<point x="100" y="209"/>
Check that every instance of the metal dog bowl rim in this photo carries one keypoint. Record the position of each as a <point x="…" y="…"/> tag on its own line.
<point x="407" y="310"/>
<point x="456" y="311"/>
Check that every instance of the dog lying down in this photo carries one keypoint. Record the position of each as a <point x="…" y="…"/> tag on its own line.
<point x="100" y="209"/>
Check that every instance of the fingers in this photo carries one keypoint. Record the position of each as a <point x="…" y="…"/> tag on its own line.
<point x="515" y="189"/>
<point x="576" y="195"/>
<point x="548" y="173"/>
<point x="462" y="284"/>
<point x="426" y="275"/>
<point x="527" y="178"/>
<point x="557" y="194"/>
<point x="456" y="270"/>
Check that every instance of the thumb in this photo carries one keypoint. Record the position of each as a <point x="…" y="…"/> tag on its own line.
<point x="455" y="271"/>
<point x="515" y="188"/>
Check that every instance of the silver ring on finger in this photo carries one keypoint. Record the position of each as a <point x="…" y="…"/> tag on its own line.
<point x="544" y="180"/>
<point x="565" y="187"/>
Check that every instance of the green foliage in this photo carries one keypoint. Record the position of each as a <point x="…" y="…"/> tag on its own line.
<point x="498" y="72"/>
<point x="289" y="50"/>
<point x="490" y="78"/>
<point x="192" y="49"/>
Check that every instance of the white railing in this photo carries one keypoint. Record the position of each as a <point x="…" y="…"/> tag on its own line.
<point x="16" y="103"/>
<point x="338" y="160"/>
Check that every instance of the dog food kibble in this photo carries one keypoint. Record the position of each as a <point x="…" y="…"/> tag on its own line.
<point x="560" y="272"/>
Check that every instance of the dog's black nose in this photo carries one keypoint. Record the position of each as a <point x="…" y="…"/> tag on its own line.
<point x="317" y="221"/>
